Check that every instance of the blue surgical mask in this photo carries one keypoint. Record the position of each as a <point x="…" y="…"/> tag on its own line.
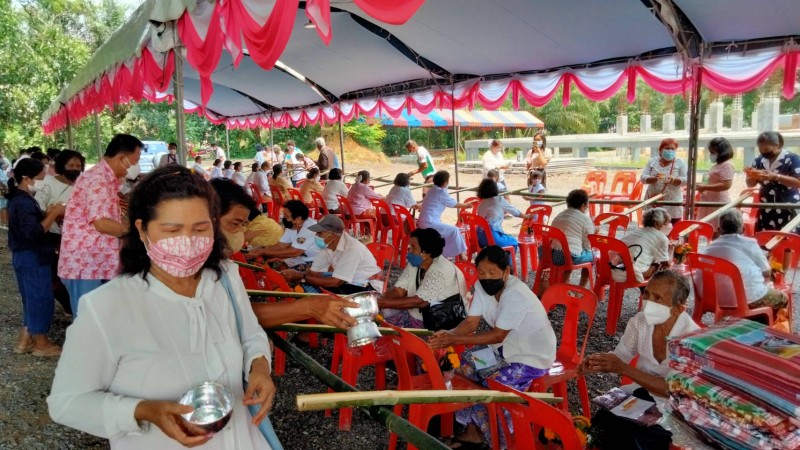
<point x="712" y="157"/>
<point x="414" y="260"/>
<point x="320" y="242"/>
<point x="668" y="155"/>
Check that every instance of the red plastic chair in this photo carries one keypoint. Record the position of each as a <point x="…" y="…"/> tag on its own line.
<point x="717" y="298"/>
<point x="528" y="244"/>
<point x="595" y="181"/>
<point x="616" y="293"/>
<point x="384" y="257"/>
<point x="615" y="222"/>
<point x="261" y="204"/>
<point x="750" y="215"/>
<point x="528" y="420"/>
<point x="476" y="201"/>
<point x="277" y="203"/>
<point x="294" y="194"/>
<point x="355" y="224"/>
<point x="786" y="252"/>
<point x="405" y="349"/>
<point x="547" y="234"/>
<point x="469" y="271"/>
<point x="474" y="222"/>
<point x="406" y="221"/>
<point x="300" y="182"/>
<point x="577" y="300"/>
<point x="621" y="187"/>
<point x="386" y="224"/>
<point x="635" y="195"/>
<point x="319" y="208"/>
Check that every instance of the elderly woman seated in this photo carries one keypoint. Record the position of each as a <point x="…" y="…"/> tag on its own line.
<point x="745" y="253"/>
<point x="519" y="330"/>
<point x="663" y="315"/>
<point x="648" y="246"/>
<point x="428" y="281"/>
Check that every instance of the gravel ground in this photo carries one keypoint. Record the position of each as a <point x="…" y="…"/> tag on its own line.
<point x="26" y="380"/>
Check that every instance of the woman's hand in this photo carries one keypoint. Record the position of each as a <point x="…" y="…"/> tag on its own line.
<point x="167" y="417"/>
<point x="57" y="210"/>
<point x="292" y="275"/>
<point x="441" y="339"/>
<point x="329" y="310"/>
<point x="605" y="362"/>
<point x="260" y="389"/>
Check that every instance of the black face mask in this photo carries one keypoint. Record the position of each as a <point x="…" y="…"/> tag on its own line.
<point x="72" y="175"/>
<point x="492" y="285"/>
<point x="288" y="224"/>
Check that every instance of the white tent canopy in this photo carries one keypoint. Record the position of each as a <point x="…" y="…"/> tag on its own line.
<point x="449" y="53"/>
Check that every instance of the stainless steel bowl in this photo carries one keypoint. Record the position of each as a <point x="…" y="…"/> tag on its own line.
<point x="365" y="331"/>
<point x="212" y="403"/>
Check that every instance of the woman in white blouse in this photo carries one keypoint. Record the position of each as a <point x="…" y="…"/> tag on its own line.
<point x="165" y="325"/>
<point x="663" y="315"/>
<point x="666" y="174"/>
<point x="400" y="194"/>
<point x="428" y="279"/>
<point x="333" y="187"/>
<point x="69" y="164"/>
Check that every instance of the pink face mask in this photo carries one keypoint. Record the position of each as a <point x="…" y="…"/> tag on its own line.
<point x="180" y="256"/>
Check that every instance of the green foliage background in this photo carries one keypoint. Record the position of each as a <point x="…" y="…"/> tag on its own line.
<point x="43" y="43"/>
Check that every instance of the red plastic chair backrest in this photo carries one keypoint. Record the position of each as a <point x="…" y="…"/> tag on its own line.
<point x="403" y="347"/>
<point x="618" y="221"/>
<point x="277" y="195"/>
<point x="382" y="210"/>
<point x="345" y="209"/>
<point x="608" y="247"/>
<point x="548" y="234"/>
<point x="301" y="182"/>
<point x="786" y="250"/>
<point x="712" y="273"/>
<point x="295" y="194"/>
<point x="623" y="182"/>
<point x="476" y="201"/>
<point x="469" y="271"/>
<point x="597" y="180"/>
<point x="319" y="202"/>
<point x="636" y="192"/>
<point x="528" y="419"/>
<point x="473" y="223"/>
<point x="403" y="215"/>
<point x="577" y="300"/>
<point x="384" y="257"/>
<point x="542" y="213"/>
<point x="702" y="230"/>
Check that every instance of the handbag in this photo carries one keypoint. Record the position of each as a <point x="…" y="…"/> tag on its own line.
<point x="444" y="315"/>
<point x="485" y="360"/>
<point x="265" y="427"/>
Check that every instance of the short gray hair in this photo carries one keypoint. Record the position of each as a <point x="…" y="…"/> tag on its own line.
<point x="411" y="143"/>
<point x="731" y="222"/>
<point x="680" y="285"/>
<point x="654" y="217"/>
<point x="320" y="142"/>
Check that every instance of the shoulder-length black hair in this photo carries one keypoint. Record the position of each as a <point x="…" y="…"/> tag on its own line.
<point x="430" y="241"/>
<point x="161" y="185"/>
<point x="27" y="167"/>
<point x="487" y="189"/>
<point x="723" y="149"/>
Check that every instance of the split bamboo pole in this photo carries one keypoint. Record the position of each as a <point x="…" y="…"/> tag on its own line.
<point x="717" y="213"/>
<point x="788" y="228"/>
<point x="319" y="328"/>
<point x="635" y="208"/>
<point x="394" y="423"/>
<point x="318" y="402"/>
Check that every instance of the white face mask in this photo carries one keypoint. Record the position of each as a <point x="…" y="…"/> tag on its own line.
<point x="667" y="229"/>
<point x="37" y="186"/>
<point x="655" y="313"/>
<point x="538" y="143"/>
<point x="133" y="170"/>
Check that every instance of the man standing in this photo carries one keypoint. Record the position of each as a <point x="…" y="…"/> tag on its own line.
<point x="424" y="160"/>
<point x="94" y="222"/>
<point x="327" y="158"/>
<point x="219" y="152"/>
<point x="171" y="157"/>
<point x="260" y="156"/>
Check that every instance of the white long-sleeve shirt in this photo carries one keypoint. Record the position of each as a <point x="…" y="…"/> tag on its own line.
<point x="138" y="340"/>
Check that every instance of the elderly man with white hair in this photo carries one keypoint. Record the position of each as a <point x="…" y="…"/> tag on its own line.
<point x="648" y="246"/>
<point x="424" y="159"/>
<point x="748" y="257"/>
<point x="327" y="158"/>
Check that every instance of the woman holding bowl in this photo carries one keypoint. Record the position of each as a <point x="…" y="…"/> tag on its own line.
<point x="665" y="174"/>
<point x="165" y="325"/>
<point x="778" y="173"/>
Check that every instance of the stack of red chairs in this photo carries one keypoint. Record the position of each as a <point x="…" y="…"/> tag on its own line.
<point x="528" y="244"/>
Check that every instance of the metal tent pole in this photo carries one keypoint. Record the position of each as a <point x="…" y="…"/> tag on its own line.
<point x="97" y="143"/>
<point x="271" y="130"/>
<point x="694" y="123"/>
<point x="180" y="117"/>
<point x="341" y="144"/>
<point x="455" y="130"/>
<point x="227" y="138"/>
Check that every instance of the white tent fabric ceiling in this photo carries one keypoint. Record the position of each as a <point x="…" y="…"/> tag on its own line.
<point x="465" y="39"/>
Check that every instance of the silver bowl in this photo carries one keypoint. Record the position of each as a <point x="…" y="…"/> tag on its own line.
<point x="212" y="403"/>
<point x="365" y="331"/>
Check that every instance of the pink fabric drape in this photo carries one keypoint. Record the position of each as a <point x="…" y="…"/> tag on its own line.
<point x="395" y="12"/>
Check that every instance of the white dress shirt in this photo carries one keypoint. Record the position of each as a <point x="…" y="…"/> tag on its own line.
<point x="138" y="340"/>
<point x="351" y="262"/>
<point x="638" y="341"/>
<point x="301" y="239"/>
<point x="331" y="190"/>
